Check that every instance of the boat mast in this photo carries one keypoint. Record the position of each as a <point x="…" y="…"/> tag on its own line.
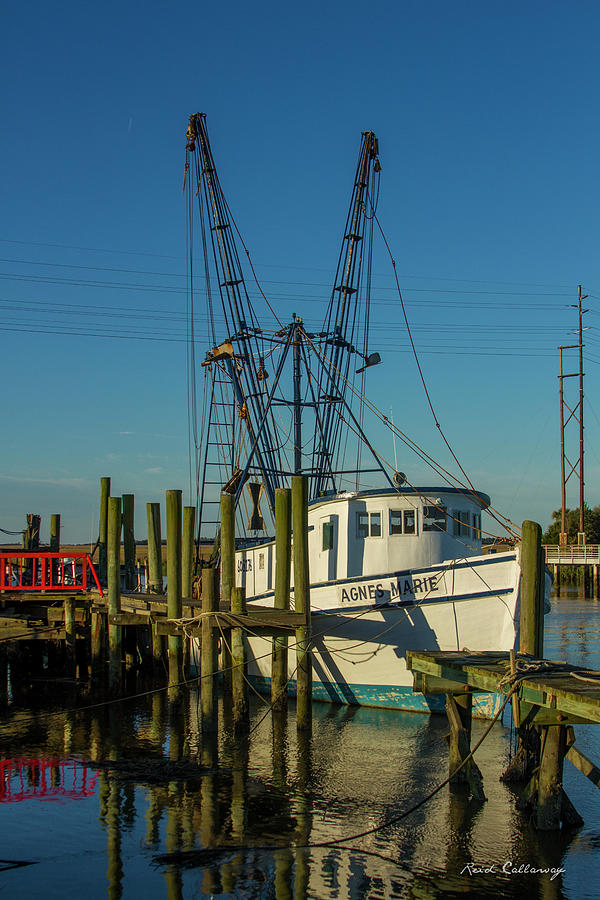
<point x="238" y="397"/>
<point x="342" y="318"/>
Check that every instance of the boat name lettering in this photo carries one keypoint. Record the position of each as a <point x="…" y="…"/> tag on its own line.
<point x="390" y="590"/>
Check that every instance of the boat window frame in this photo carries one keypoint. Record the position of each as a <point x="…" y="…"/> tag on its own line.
<point x="404" y="515"/>
<point x="362" y="536"/>
<point x="438" y="508"/>
<point x="461" y="521"/>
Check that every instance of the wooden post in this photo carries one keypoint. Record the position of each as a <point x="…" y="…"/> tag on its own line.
<point x="98" y="643"/>
<point x="227" y="546"/>
<point x="283" y="546"/>
<point x="187" y="566"/>
<point x="187" y="550"/>
<point x="103" y="530"/>
<point x="113" y="560"/>
<point x="531" y="641"/>
<point x="158" y="648"/>
<point x="155" y="577"/>
<point x="238" y="660"/>
<point x="208" y="661"/>
<point x="227" y="575"/>
<point x="174" y="605"/>
<point x="55" y="532"/>
<point x="69" y="613"/>
<point x="532" y="595"/>
<point x="459" y="709"/>
<point x="540" y="594"/>
<point x="129" y="541"/>
<point x="550" y="792"/>
<point x="595" y="579"/>
<point x="302" y="601"/>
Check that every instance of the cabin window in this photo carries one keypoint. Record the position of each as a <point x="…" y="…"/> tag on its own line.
<point x="410" y="521"/>
<point x="368" y="524"/>
<point x="261" y="560"/>
<point x="327" y="535"/>
<point x="435" y="518"/>
<point x="403" y="521"/>
<point x="461" y="523"/>
<point x="476" y="525"/>
<point x="395" y="521"/>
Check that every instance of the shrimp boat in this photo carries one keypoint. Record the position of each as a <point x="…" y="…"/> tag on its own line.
<point x="393" y="566"/>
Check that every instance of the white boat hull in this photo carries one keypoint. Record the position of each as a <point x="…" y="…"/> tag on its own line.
<point x="358" y="649"/>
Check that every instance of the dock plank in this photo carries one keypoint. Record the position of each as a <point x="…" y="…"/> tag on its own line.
<point x="557" y="691"/>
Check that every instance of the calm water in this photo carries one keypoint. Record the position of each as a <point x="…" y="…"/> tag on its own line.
<point x="93" y="832"/>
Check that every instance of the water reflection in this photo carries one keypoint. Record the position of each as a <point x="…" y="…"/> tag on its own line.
<point x="165" y="809"/>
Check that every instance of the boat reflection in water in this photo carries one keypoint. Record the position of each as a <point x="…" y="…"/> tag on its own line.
<point x="178" y="814"/>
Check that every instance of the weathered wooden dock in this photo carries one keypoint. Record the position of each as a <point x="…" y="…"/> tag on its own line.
<point x="103" y="632"/>
<point x="548" y="698"/>
<point x="549" y="693"/>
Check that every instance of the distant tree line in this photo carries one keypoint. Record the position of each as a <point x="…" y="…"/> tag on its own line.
<point x="591" y="523"/>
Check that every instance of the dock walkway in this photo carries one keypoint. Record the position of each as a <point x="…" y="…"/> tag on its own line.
<point x="562" y="693"/>
<point x="548" y="698"/>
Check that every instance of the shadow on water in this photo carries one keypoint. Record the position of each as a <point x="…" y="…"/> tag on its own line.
<point x="138" y="802"/>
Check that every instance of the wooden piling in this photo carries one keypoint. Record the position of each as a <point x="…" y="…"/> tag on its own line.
<point x="113" y="560"/>
<point x="227" y="546"/>
<point x="69" y="617"/>
<point x="129" y="541"/>
<point x="208" y="660"/>
<point x="187" y="566"/>
<point x="98" y="639"/>
<point x="55" y="532"/>
<point x="238" y="660"/>
<point x="302" y="601"/>
<point x="531" y="641"/>
<point x="103" y="530"/>
<point x="550" y="792"/>
<point x="459" y="708"/>
<point x="532" y="591"/>
<point x="227" y="576"/>
<point x="155" y="578"/>
<point x="174" y="604"/>
<point x="187" y="550"/>
<point x="283" y="544"/>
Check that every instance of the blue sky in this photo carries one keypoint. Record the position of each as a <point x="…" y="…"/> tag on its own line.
<point x="488" y="127"/>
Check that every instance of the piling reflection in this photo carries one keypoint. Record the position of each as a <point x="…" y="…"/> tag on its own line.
<point x="203" y="813"/>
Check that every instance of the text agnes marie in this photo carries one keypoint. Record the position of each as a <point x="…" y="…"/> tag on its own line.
<point x="390" y="590"/>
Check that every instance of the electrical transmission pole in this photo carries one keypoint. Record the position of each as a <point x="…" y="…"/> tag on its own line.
<point x="567" y="414"/>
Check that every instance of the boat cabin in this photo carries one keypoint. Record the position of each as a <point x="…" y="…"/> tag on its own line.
<point x="371" y="533"/>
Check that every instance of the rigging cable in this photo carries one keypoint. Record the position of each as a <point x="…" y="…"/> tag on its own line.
<point x="414" y="349"/>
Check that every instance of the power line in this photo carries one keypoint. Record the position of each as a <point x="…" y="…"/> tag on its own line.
<point x="130" y="252"/>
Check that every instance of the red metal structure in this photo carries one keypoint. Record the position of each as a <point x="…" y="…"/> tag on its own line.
<point x="27" y="778"/>
<point x="23" y="570"/>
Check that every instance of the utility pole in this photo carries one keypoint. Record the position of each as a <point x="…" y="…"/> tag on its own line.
<point x="297" y="401"/>
<point x="573" y="412"/>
